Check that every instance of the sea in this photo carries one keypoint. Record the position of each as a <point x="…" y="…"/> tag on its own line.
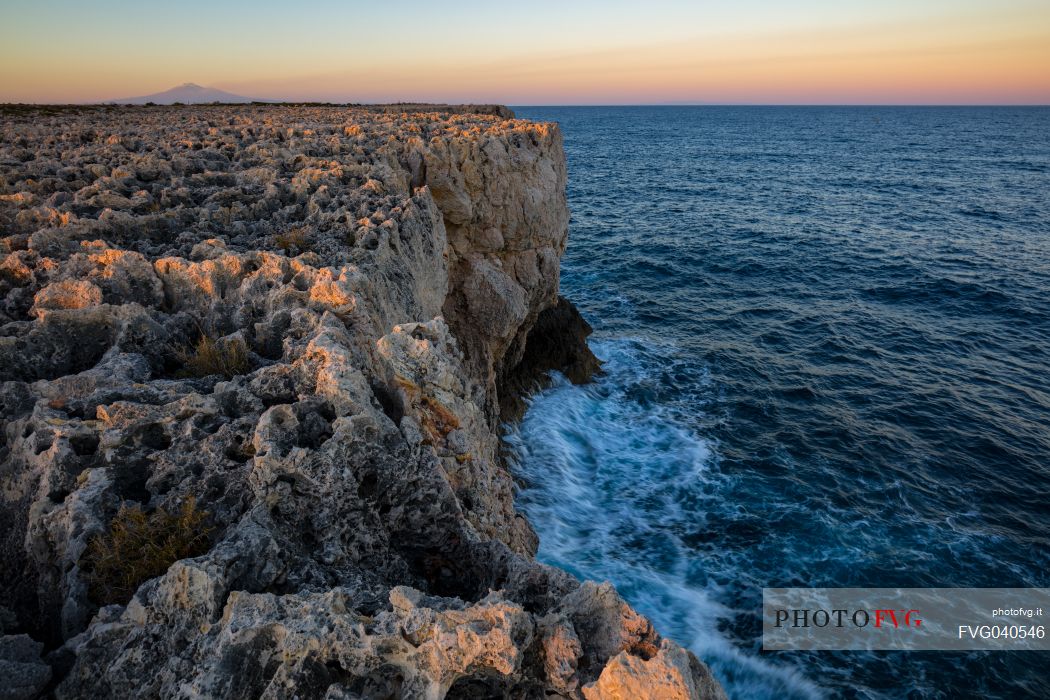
<point x="826" y="344"/>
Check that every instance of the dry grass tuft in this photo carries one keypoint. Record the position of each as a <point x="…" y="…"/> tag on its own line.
<point x="211" y="356"/>
<point x="139" y="547"/>
<point x="295" y="240"/>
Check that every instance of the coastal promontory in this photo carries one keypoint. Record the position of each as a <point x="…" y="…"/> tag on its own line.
<point x="254" y="363"/>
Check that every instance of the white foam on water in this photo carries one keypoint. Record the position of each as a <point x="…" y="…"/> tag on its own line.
<point x="609" y="477"/>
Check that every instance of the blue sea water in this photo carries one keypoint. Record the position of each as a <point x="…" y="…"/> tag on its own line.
<point x="826" y="335"/>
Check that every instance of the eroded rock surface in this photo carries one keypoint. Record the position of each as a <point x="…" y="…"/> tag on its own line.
<point x="380" y="273"/>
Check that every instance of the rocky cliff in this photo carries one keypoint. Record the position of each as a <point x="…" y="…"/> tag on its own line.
<point x="297" y="327"/>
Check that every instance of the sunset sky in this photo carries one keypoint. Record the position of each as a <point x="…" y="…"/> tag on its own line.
<point x="538" y="52"/>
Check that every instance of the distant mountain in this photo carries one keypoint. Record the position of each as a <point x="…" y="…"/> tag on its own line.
<point x="187" y="93"/>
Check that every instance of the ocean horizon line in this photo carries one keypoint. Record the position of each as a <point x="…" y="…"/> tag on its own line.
<point x="274" y="102"/>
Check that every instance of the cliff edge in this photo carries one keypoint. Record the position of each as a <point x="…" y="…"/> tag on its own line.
<point x="254" y="360"/>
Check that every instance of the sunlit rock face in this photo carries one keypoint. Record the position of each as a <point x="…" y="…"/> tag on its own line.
<point x="380" y="272"/>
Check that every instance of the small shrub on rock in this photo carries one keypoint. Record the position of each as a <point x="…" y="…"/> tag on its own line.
<point x="141" y="546"/>
<point x="293" y="241"/>
<point x="210" y="356"/>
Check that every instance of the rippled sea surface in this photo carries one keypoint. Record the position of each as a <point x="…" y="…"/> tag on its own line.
<point x="826" y="335"/>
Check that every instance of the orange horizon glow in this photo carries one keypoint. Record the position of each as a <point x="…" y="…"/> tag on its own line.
<point x="983" y="55"/>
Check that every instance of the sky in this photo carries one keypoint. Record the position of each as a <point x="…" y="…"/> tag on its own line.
<point x="533" y="51"/>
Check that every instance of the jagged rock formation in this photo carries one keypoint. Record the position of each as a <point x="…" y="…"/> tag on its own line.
<point x="381" y="275"/>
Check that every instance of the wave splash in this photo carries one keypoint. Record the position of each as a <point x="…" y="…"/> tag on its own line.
<point x="614" y="482"/>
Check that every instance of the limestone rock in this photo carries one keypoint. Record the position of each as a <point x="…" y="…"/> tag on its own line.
<point x="672" y="674"/>
<point x="67" y="294"/>
<point x="24" y="674"/>
<point x="305" y="319"/>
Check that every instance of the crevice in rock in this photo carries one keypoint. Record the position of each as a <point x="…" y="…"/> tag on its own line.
<point x="384" y="682"/>
<point x="129" y="479"/>
<point x="84" y="445"/>
<point x="448" y="571"/>
<point x="388" y="402"/>
<point x="485" y="686"/>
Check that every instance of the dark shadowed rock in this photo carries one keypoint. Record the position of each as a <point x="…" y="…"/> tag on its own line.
<point x="557" y="341"/>
<point x="23" y="672"/>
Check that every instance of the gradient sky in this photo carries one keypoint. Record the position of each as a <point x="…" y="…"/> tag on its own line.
<point x="538" y="52"/>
